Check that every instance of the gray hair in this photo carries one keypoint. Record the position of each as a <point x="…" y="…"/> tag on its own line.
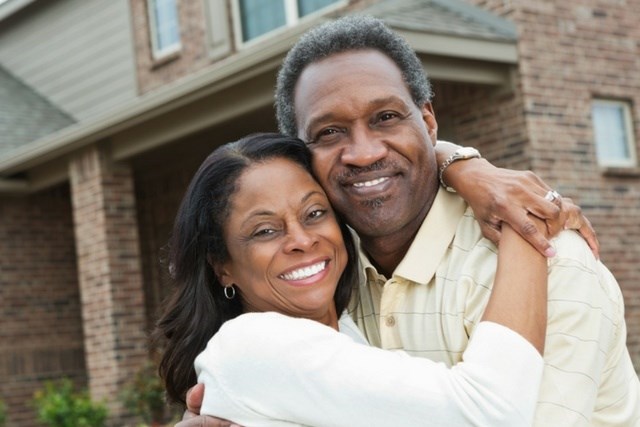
<point x="354" y="32"/>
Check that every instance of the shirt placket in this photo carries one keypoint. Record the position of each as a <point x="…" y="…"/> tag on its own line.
<point x="389" y="327"/>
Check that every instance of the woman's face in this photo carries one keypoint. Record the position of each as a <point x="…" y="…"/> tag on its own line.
<point x="286" y="249"/>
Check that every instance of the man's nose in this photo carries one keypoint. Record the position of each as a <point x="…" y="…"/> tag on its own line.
<point x="363" y="148"/>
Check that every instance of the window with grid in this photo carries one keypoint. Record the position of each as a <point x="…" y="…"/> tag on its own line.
<point x="613" y="133"/>
<point x="165" y="31"/>
<point x="257" y="18"/>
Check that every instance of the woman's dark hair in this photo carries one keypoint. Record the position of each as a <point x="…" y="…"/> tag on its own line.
<point x="197" y="308"/>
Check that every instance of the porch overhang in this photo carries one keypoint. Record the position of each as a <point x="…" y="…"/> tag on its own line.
<point x="227" y="90"/>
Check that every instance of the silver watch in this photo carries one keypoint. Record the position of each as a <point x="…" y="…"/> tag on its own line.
<point x="462" y="153"/>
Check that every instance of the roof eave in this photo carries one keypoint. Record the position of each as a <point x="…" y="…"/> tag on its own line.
<point x="13" y="6"/>
<point x="239" y="68"/>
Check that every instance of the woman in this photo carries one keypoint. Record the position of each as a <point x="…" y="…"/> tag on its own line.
<point x="256" y="234"/>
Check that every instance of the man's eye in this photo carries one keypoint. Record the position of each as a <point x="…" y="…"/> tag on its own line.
<point x="327" y="135"/>
<point x="387" y="115"/>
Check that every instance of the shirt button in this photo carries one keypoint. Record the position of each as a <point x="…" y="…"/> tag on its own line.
<point x="390" y="321"/>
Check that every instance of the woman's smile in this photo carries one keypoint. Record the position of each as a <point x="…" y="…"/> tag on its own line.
<point x="308" y="275"/>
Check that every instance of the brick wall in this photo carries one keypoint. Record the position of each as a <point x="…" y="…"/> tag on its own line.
<point x="192" y="57"/>
<point x="41" y="332"/>
<point x="487" y="117"/>
<point x="109" y="274"/>
<point x="158" y="193"/>
<point x="569" y="52"/>
<point x="194" y="54"/>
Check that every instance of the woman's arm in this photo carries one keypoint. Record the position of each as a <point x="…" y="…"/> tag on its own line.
<point x="499" y="195"/>
<point x="266" y="368"/>
<point x="519" y="296"/>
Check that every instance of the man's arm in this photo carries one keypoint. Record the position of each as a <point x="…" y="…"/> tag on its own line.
<point x="191" y="417"/>
<point x="499" y="195"/>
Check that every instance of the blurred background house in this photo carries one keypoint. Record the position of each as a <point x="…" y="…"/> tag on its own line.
<point x="107" y="108"/>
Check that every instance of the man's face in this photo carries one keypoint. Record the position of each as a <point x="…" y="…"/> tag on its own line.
<point x="372" y="146"/>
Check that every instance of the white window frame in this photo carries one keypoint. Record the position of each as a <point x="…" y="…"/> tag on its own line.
<point x="218" y="35"/>
<point x="631" y="161"/>
<point x="291" y="16"/>
<point x="153" y="33"/>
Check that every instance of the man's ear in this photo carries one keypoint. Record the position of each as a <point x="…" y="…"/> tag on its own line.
<point x="429" y="117"/>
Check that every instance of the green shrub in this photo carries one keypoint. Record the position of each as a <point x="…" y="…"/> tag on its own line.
<point x="3" y="413"/>
<point x="144" y="395"/>
<point x="59" y="405"/>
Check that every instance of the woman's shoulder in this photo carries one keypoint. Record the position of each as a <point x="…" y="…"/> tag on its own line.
<point x="266" y="335"/>
<point x="265" y="329"/>
<point x="349" y="328"/>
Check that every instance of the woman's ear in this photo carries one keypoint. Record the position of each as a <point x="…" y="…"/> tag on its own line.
<point x="224" y="275"/>
<point x="222" y="271"/>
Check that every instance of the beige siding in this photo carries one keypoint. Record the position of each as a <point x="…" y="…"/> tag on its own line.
<point x="77" y="53"/>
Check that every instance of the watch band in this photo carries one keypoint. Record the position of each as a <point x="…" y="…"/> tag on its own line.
<point x="462" y="153"/>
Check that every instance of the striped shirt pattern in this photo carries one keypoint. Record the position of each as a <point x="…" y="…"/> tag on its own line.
<point x="436" y="296"/>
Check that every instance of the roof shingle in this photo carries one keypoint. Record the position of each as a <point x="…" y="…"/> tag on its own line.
<point x="448" y="17"/>
<point x="25" y="115"/>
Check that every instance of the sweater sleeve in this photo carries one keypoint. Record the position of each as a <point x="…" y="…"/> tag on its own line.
<point x="268" y="369"/>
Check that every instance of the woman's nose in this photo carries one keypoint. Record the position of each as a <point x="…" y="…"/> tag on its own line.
<point x="300" y="238"/>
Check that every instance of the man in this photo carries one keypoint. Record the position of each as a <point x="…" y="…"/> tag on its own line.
<point x="356" y="93"/>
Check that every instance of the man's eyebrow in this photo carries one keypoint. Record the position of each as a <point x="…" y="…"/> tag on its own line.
<point x="386" y="100"/>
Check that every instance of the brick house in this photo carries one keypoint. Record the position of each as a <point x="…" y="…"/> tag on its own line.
<point x="107" y="108"/>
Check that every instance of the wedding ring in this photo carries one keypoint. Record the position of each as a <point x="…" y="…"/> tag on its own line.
<point x="551" y="195"/>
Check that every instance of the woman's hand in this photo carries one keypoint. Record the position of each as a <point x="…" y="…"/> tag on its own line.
<point x="499" y="195"/>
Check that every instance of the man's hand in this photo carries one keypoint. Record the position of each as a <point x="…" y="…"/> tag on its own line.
<point x="498" y="195"/>
<point x="192" y="417"/>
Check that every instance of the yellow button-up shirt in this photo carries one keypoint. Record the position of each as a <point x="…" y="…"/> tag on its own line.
<point x="437" y="294"/>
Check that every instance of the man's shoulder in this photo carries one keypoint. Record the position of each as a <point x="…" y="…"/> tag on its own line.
<point x="571" y="246"/>
<point x="471" y="256"/>
<point x="469" y="236"/>
<point x="576" y="274"/>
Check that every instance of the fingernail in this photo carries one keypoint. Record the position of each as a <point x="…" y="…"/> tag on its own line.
<point x="550" y="252"/>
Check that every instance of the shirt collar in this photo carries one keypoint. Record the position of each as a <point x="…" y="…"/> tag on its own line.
<point x="430" y="243"/>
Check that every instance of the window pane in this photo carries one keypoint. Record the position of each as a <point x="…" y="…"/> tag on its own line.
<point x="259" y="17"/>
<point x="167" y="33"/>
<point x="610" y="133"/>
<point x="305" y="7"/>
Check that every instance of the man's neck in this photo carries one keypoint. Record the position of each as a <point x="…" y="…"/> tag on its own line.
<point x="386" y="252"/>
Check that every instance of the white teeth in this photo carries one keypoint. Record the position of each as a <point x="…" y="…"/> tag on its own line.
<point x="370" y="183"/>
<point x="303" y="273"/>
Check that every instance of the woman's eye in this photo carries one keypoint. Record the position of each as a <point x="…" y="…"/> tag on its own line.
<point x="264" y="232"/>
<point x="317" y="213"/>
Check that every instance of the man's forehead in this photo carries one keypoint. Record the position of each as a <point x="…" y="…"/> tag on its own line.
<point x="351" y="56"/>
<point x="369" y="70"/>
